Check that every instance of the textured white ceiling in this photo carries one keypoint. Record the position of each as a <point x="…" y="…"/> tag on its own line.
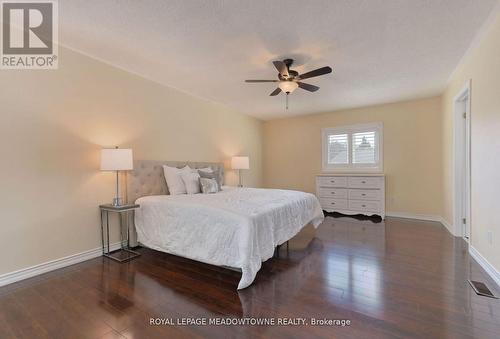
<point x="380" y="50"/>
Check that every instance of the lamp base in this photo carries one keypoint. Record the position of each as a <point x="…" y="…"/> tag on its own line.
<point x="117" y="202"/>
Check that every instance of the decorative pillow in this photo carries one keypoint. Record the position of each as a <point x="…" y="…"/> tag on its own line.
<point x="210" y="175"/>
<point x="209" y="185"/>
<point x="174" y="180"/>
<point x="206" y="169"/>
<point x="191" y="180"/>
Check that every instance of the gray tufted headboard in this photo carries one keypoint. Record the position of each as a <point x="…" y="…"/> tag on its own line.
<point x="147" y="177"/>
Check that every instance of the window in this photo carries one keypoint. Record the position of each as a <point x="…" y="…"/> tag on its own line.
<point x="351" y="148"/>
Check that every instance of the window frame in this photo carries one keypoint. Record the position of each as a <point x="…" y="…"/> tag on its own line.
<point x="350" y="130"/>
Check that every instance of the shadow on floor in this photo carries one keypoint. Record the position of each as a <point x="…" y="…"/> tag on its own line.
<point x="374" y="218"/>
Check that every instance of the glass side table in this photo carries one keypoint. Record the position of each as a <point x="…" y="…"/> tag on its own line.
<point x="123" y="254"/>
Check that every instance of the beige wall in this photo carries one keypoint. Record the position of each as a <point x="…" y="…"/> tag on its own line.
<point x="52" y="126"/>
<point x="482" y="67"/>
<point x="412" y="152"/>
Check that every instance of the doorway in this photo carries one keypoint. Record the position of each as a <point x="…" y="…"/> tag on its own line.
<point x="462" y="162"/>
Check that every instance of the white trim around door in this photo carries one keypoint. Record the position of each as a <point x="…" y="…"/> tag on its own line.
<point x="462" y="162"/>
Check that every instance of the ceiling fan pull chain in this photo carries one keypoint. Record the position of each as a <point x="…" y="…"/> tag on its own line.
<point x="286" y="100"/>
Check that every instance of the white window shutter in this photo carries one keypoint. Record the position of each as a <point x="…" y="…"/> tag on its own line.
<point x="364" y="147"/>
<point x="353" y="148"/>
<point x="338" y="149"/>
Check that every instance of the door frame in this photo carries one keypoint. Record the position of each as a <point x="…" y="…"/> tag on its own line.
<point x="461" y="148"/>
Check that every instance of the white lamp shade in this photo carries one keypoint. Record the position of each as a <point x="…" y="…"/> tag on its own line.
<point x="288" y="86"/>
<point x="240" y="163"/>
<point x="116" y="159"/>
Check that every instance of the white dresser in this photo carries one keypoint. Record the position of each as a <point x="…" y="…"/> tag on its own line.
<point x="352" y="193"/>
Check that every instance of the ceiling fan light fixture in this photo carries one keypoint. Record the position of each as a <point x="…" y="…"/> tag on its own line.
<point x="288" y="86"/>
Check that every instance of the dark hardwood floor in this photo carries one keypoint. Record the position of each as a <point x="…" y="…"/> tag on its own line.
<point x="401" y="278"/>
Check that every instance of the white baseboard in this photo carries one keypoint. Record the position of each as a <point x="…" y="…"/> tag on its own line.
<point x="448" y="226"/>
<point x="29" y="272"/>
<point x="485" y="264"/>
<point x="425" y="217"/>
<point x="404" y="215"/>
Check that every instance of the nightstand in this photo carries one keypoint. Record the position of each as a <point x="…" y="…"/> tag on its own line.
<point x="125" y="253"/>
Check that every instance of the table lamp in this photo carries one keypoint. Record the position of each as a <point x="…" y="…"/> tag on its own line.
<point x="117" y="159"/>
<point x="239" y="163"/>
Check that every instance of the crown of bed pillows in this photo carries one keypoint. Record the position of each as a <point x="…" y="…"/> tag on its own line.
<point x="187" y="180"/>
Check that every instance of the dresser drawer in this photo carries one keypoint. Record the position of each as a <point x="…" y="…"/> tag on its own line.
<point x="338" y="193"/>
<point x="368" y="206"/>
<point x="365" y="182"/>
<point x="360" y="194"/>
<point x="332" y="181"/>
<point x="333" y="204"/>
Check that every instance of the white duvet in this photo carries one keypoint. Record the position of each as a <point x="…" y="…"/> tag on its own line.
<point x="237" y="227"/>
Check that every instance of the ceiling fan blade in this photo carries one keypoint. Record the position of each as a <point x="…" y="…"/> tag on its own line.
<point x="281" y="67"/>
<point x="316" y="72"/>
<point x="307" y="87"/>
<point x="275" y="92"/>
<point x="261" y="81"/>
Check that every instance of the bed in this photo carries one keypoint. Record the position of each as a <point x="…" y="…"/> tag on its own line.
<point x="237" y="227"/>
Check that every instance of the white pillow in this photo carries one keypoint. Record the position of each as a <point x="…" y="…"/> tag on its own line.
<point x="191" y="181"/>
<point x="174" y="180"/>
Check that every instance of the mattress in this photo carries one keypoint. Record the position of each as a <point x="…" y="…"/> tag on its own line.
<point x="237" y="227"/>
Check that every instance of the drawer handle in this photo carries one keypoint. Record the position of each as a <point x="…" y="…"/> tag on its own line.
<point x="363" y="182"/>
<point x="332" y="181"/>
<point x="363" y="194"/>
<point x="333" y="203"/>
<point x="333" y="192"/>
<point x="363" y="205"/>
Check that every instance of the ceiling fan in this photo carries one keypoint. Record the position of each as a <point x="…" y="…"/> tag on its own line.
<point x="289" y="80"/>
